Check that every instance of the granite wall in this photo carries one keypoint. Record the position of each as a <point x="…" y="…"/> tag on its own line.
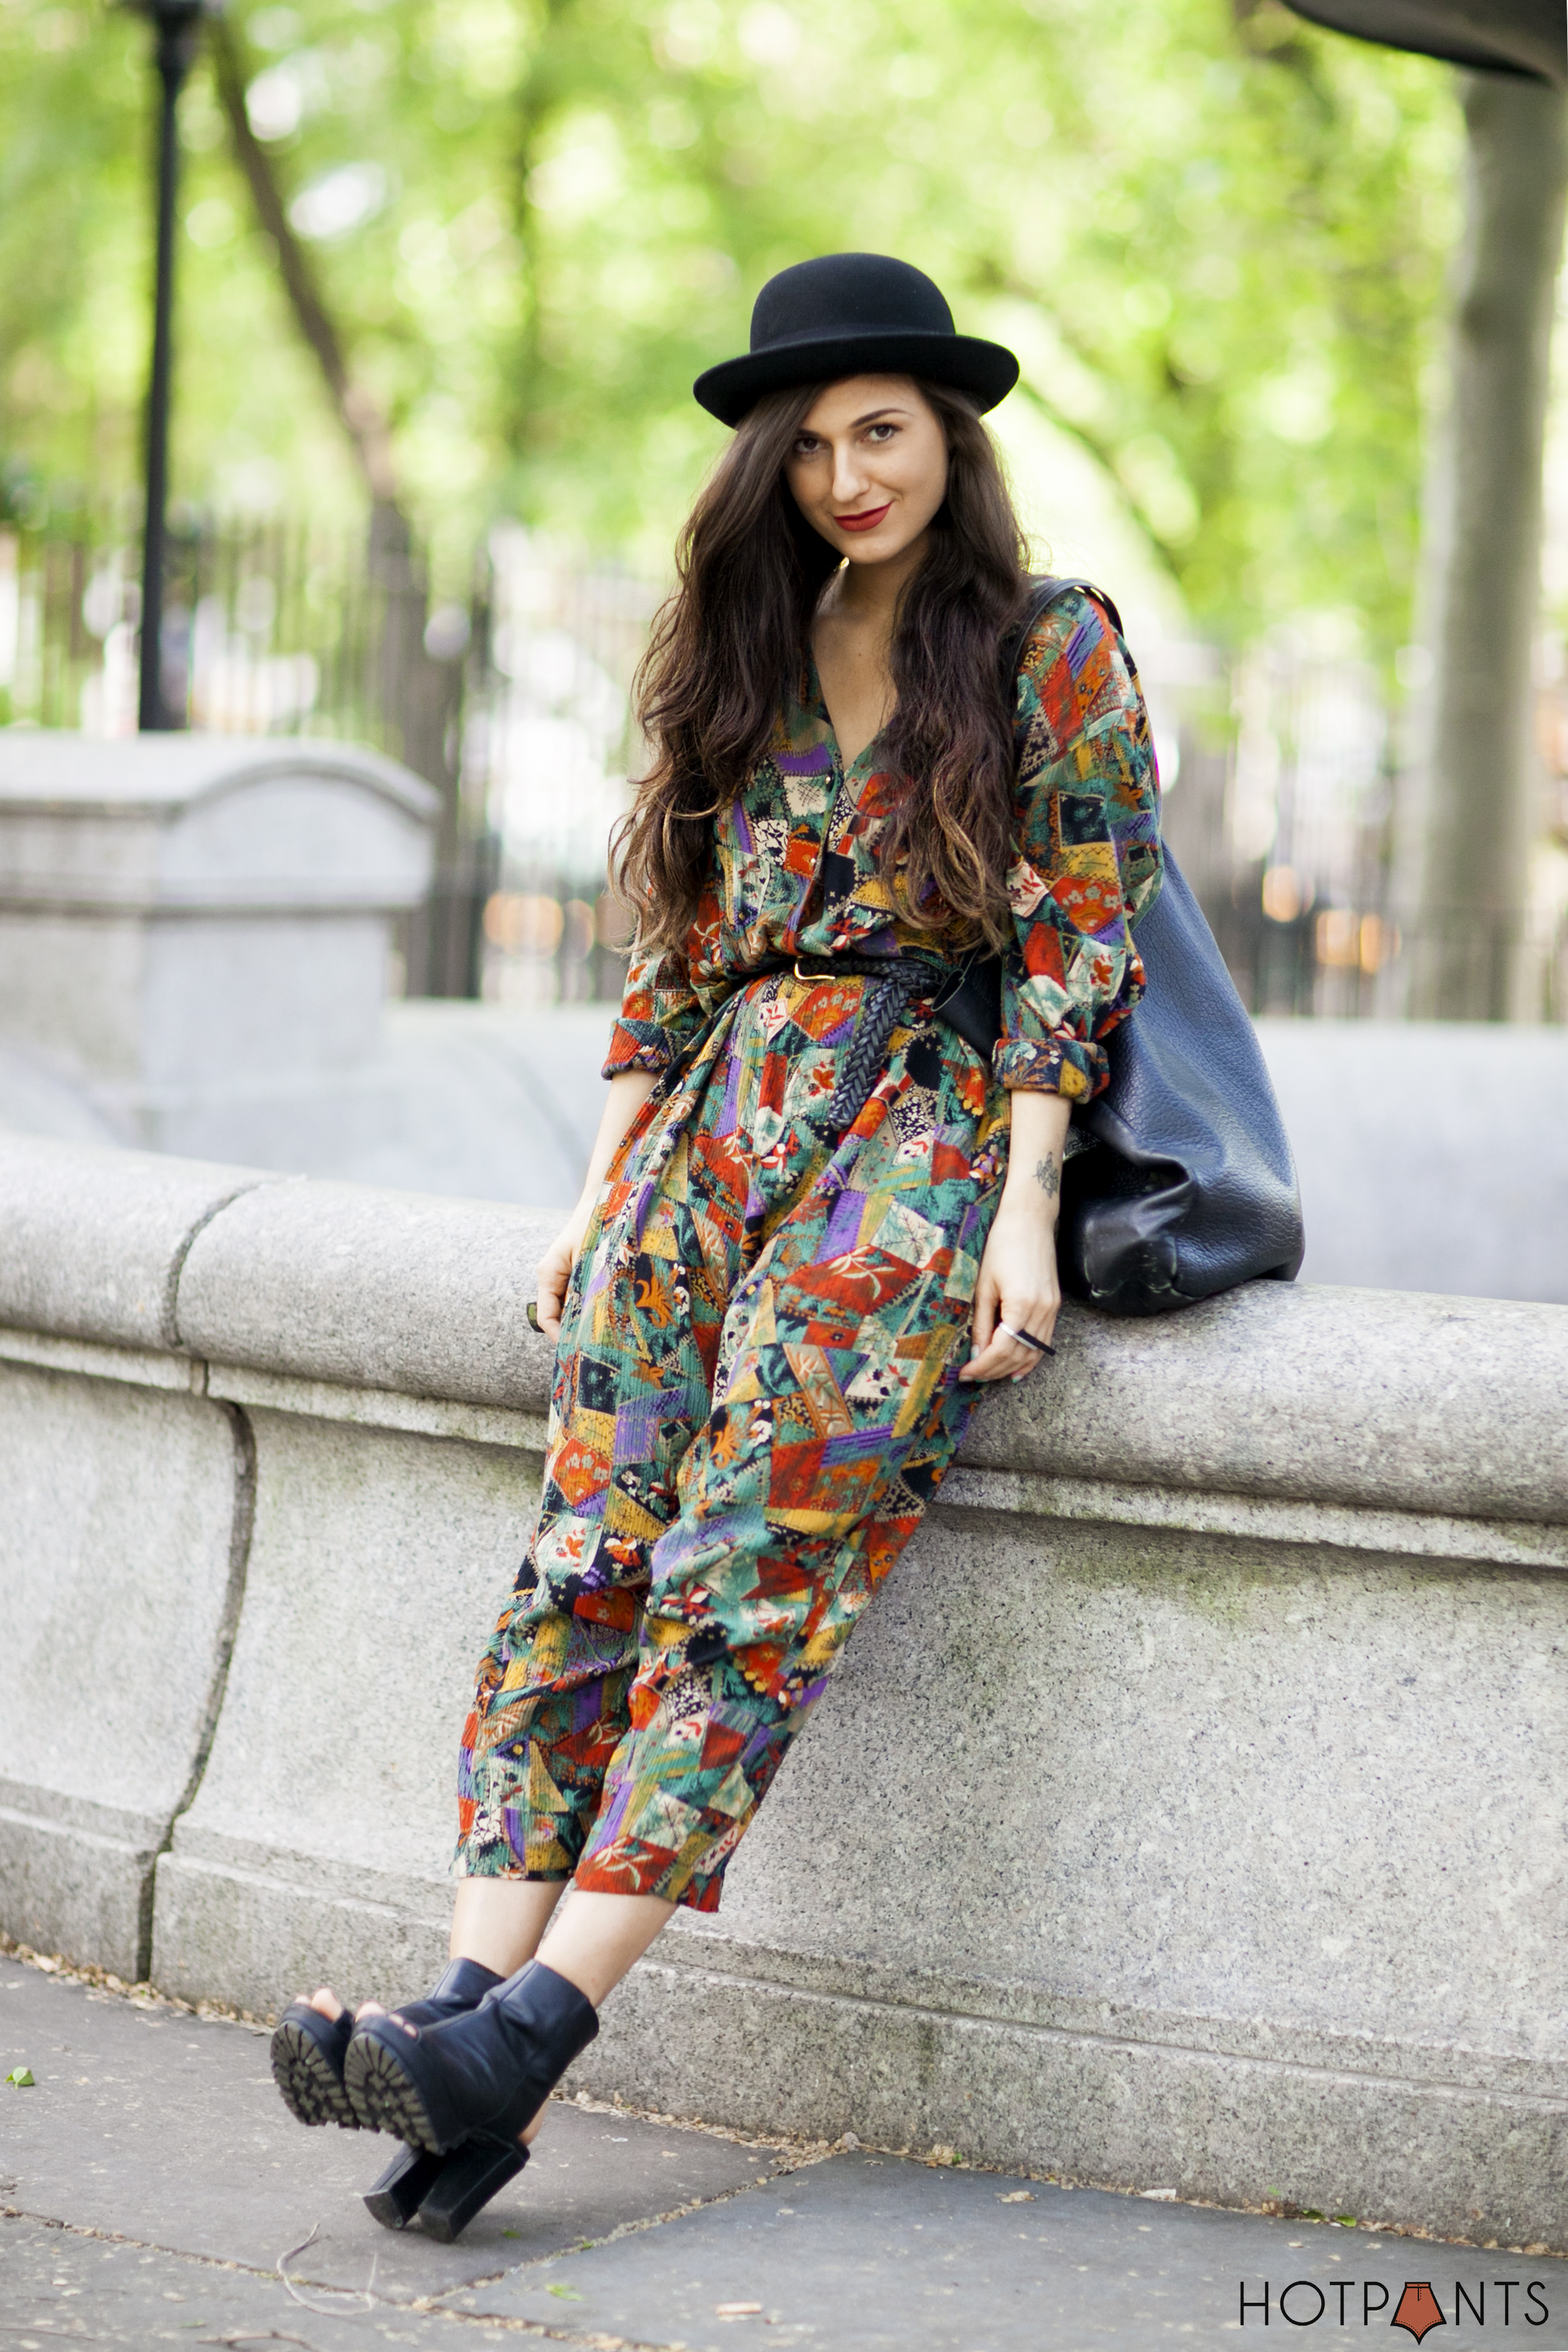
<point x="1188" y="1814"/>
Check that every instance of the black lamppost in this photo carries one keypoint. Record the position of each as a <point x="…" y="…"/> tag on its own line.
<point x="176" y="23"/>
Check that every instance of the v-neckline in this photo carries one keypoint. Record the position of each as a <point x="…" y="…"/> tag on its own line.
<point x="846" y="767"/>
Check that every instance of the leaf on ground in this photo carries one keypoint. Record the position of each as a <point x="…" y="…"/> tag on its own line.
<point x="22" y="2077"/>
<point x="566" y="2294"/>
<point x="1017" y="2197"/>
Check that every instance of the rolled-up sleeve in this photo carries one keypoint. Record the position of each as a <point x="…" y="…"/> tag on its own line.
<point x="1088" y="858"/>
<point x="660" y="1013"/>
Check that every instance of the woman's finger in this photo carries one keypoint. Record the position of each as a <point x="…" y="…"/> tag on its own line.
<point x="996" y="1364"/>
<point x="986" y="1306"/>
<point x="1003" y="1357"/>
<point x="1038" y="1317"/>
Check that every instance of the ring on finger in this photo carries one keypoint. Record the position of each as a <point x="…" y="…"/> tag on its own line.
<point x="1041" y="1347"/>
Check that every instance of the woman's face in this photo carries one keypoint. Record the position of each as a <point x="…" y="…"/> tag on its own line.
<point x="869" y="469"/>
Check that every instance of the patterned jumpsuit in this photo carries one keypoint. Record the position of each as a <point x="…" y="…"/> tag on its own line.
<point x="755" y="1386"/>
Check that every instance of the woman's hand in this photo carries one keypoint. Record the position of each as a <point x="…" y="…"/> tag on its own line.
<point x="1019" y="1283"/>
<point x="555" y="1269"/>
<point x="628" y="1090"/>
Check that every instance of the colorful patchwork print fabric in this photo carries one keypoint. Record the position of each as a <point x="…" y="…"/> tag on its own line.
<point x="796" y="868"/>
<point x="754" y="1399"/>
<point x="755" y="1388"/>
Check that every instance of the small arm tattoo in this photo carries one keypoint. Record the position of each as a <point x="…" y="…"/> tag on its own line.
<point x="1049" y="1175"/>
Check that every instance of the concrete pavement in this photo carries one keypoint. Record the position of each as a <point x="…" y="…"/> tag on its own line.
<point x="156" y="2191"/>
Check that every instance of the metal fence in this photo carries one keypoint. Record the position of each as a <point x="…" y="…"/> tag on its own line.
<point x="565" y="638"/>
<point x="1284" y="810"/>
<point x="269" y="628"/>
<point x="510" y="691"/>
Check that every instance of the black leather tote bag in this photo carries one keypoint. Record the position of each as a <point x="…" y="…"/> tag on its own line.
<point x="1179" y="1180"/>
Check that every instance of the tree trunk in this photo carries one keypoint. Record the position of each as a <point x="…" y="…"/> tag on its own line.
<point x="420" y="696"/>
<point x="357" y="411"/>
<point x="1467" y="827"/>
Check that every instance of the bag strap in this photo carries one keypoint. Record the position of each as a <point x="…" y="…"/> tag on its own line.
<point x="1044" y="590"/>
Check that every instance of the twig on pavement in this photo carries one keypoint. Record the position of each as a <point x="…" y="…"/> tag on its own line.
<point x="346" y="2293"/>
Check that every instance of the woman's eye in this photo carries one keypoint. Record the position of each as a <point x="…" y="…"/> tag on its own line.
<point x="806" y="446"/>
<point x="881" y="432"/>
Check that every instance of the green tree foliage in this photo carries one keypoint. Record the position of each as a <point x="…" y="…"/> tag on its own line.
<point x="1216" y="236"/>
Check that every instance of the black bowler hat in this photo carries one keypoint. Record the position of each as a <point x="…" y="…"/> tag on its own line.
<point x="853" y="314"/>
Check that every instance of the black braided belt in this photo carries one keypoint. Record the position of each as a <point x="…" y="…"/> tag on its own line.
<point x="895" y="982"/>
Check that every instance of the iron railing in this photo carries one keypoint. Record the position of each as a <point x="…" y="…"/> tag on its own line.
<point x="270" y="627"/>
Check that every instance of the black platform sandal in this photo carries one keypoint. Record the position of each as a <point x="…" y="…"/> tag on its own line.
<point x="309" y="2050"/>
<point x="483" y="2076"/>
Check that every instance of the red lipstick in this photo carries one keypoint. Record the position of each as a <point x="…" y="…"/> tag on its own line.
<point x="866" y="521"/>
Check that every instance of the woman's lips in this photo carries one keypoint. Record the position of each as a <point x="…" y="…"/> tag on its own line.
<point x="866" y="521"/>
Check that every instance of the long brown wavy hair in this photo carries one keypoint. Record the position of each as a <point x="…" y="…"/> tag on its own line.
<point x="736" y="633"/>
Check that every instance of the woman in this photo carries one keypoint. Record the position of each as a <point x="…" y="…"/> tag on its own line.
<point x="817" y="1219"/>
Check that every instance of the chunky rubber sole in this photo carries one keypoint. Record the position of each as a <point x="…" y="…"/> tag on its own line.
<point x="308" y="2052"/>
<point x="402" y="2188"/>
<point x="384" y="2096"/>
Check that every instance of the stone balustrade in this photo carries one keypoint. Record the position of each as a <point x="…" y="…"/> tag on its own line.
<point x="195" y="932"/>
<point x="1189" y="1812"/>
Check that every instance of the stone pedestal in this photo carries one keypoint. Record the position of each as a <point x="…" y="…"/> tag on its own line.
<point x="194" y="931"/>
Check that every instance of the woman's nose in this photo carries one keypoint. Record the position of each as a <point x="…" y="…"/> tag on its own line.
<point x="849" y="476"/>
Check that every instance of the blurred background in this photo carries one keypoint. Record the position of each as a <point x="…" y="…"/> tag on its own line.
<point x="447" y="269"/>
<point x="443" y="271"/>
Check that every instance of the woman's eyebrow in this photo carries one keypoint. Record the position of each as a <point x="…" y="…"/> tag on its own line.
<point x="872" y="416"/>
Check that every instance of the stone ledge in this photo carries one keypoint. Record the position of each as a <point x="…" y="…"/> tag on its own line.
<point x="967" y="1494"/>
<point x="258" y="1937"/>
<point x="83" y="1892"/>
<point x="93" y="1240"/>
<point x="1446" y="1412"/>
<point x="278" y="1888"/>
<point x="77" y="1816"/>
<point x="97" y="1361"/>
<point x="476" y="1424"/>
<point x="1369" y="2057"/>
<point x="759" y="2056"/>
<point x="265" y="1862"/>
<point x="398" y="1291"/>
<point x="1374" y="1400"/>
